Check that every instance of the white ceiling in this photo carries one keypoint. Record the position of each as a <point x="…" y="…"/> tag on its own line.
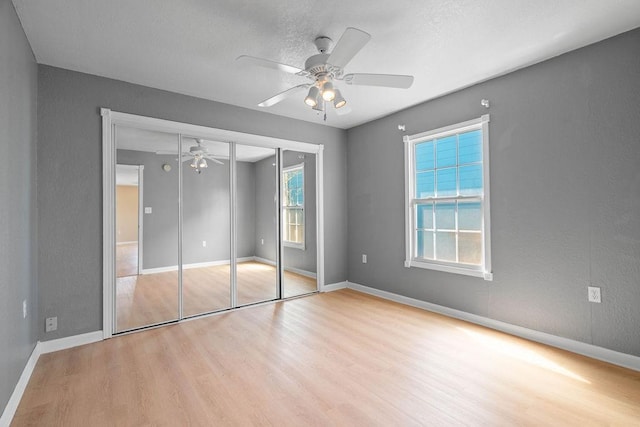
<point x="190" y="46"/>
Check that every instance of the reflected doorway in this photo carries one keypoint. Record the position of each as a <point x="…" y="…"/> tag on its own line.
<point x="128" y="219"/>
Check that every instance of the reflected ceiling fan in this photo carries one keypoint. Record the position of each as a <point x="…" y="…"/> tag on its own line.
<point x="197" y="155"/>
<point x="324" y="69"/>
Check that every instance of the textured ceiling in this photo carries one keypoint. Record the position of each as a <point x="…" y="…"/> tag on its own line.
<point x="190" y="46"/>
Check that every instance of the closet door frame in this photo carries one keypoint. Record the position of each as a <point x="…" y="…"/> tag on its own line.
<point x="112" y="118"/>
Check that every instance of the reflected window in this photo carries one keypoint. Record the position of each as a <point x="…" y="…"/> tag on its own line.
<point x="293" y="206"/>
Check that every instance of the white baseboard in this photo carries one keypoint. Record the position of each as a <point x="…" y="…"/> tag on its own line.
<point x="42" y="347"/>
<point x="334" y="286"/>
<point x="18" y="391"/>
<point x="264" y="260"/>
<point x="69" y="342"/>
<point x="589" y="350"/>
<point x="299" y="271"/>
<point x="193" y="265"/>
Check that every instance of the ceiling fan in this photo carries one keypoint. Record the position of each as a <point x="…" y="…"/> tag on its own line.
<point x="197" y="155"/>
<point x="325" y="68"/>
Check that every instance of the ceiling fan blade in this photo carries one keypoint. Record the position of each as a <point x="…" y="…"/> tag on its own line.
<point x="269" y="64"/>
<point x="350" y="43"/>
<point x="384" y="80"/>
<point x="283" y="95"/>
<point x="214" y="160"/>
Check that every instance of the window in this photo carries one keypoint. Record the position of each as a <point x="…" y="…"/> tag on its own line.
<point x="293" y="206"/>
<point x="447" y="199"/>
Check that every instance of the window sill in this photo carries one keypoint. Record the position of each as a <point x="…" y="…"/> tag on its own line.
<point x="488" y="276"/>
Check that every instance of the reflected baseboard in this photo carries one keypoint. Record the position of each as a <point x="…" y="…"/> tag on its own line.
<point x="193" y="265"/>
<point x="305" y="273"/>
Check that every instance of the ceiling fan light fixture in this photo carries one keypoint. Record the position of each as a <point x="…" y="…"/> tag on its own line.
<point x="312" y="98"/>
<point x="194" y="163"/>
<point x="203" y="163"/>
<point x="339" y="101"/>
<point x="328" y="92"/>
<point x="319" y="106"/>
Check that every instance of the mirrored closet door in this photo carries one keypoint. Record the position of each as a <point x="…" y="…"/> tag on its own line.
<point x="298" y="213"/>
<point x="146" y="228"/>
<point x="257" y="232"/>
<point x="206" y="226"/>
<point x="195" y="224"/>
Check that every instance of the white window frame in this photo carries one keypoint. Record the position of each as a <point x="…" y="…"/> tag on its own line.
<point x="289" y="243"/>
<point x="484" y="269"/>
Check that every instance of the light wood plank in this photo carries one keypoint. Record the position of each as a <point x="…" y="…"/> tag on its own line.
<point x="341" y="358"/>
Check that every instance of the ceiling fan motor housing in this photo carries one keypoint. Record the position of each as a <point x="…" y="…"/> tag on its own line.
<point x="318" y="68"/>
<point x="323" y="44"/>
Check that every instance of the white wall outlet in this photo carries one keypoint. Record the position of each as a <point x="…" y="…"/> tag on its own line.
<point x="364" y="258"/>
<point x="51" y="324"/>
<point x="594" y="294"/>
<point x="148" y="209"/>
<point x="204" y="243"/>
<point x="24" y="309"/>
<point x="262" y="241"/>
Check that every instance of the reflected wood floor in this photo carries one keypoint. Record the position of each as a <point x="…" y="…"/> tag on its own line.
<point x="340" y="358"/>
<point x="126" y="259"/>
<point x="153" y="298"/>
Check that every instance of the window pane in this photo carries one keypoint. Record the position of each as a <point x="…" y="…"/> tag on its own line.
<point x="424" y="244"/>
<point x="470" y="248"/>
<point x="424" y="156"/>
<point x="445" y="246"/>
<point x="469" y="216"/>
<point x="446" y="151"/>
<point x="424" y="184"/>
<point x="424" y="216"/>
<point x="446" y="182"/>
<point x="446" y="216"/>
<point x="470" y="180"/>
<point x="470" y="147"/>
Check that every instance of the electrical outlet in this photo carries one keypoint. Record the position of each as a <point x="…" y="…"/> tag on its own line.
<point x="262" y="241"/>
<point x="24" y="309"/>
<point x="364" y="258"/>
<point x="204" y="243"/>
<point x="148" y="209"/>
<point x="594" y="294"/>
<point x="51" y="324"/>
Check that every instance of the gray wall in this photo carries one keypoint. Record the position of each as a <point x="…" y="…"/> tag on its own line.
<point x="565" y="189"/>
<point x="246" y="209"/>
<point x="205" y="210"/>
<point x="18" y="93"/>
<point x="70" y="192"/>
<point x="265" y="233"/>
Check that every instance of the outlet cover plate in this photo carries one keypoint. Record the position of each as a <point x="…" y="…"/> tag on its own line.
<point x="594" y="294"/>
<point x="51" y="324"/>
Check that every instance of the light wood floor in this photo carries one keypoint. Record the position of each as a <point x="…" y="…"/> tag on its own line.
<point x="126" y="259"/>
<point x="341" y="358"/>
<point x="153" y="298"/>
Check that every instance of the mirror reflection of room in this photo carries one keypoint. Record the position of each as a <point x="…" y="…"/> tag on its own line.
<point x="147" y="294"/>
<point x="298" y="199"/>
<point x="149" y="223"/>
